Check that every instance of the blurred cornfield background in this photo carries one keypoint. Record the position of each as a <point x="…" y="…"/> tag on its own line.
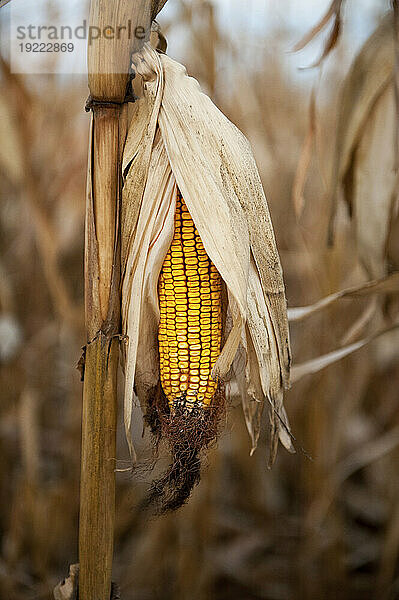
<point x="323" y="523"/>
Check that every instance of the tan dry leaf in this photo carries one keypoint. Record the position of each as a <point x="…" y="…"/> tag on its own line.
<point x="321" y="362"/>
<point x="385" y="285"/>
<point x="361" y="457"/>
<point x="308" y="37"/>
<point x="10" y="151"/>
<point x="363" y="104"/>
<point x="67" y="589"/>
<point x="305" y="157"/>
<point x="252" y="408"/>
<point x="374" y="184"/>
<point x="361" y="322"/>
<point x="333" y="13"/>
<point x="331" y="41"/>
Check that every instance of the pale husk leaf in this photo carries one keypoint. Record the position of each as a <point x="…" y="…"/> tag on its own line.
<point x="158" y="192"/>
<point x="136" y="158"/>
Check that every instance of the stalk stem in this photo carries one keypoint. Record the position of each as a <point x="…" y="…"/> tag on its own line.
<point x="102" y="272"/>
<point x="97" y="492"/>
<point x="109" y="59"/>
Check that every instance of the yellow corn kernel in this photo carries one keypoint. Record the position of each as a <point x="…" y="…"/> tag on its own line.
<point x="189" y="338"/>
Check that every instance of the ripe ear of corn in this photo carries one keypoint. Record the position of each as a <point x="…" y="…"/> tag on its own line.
<point x="181" y="140"/>
<point x="190" y="326"/>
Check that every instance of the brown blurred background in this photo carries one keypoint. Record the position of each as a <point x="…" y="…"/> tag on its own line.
<point x="323" y="523"/>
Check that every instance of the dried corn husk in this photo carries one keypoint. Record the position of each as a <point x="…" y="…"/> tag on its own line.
<point x="364" y="155"/>
<point x="179" y="138"/>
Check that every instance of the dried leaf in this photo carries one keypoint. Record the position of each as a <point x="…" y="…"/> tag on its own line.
<point x="360" y="323"/>
<point x="334" y="12"/>
<point x="331" y="41"/>
<point x="367" y="454"/>
<point x="331" y="12"/>
<point x="156" y="7"/>
<point x="385" y="285"/>
<point x="317" y="364"/>
<point x="68" y="588"/>
<point x="304" y="160"/>
<point x="361" y="457"/>
<point x="253" y="413"/>
<point x="370" y="74"/>
<point x="375" y="184"/>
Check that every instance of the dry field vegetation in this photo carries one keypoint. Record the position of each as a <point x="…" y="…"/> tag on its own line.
<point x="323" y="523"/>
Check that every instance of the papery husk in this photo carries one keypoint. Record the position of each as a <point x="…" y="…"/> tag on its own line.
<point x="181" y="140"/>
<point x="366" y="104"/>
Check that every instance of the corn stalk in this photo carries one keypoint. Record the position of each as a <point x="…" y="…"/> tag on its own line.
<point x="108" y="65"/>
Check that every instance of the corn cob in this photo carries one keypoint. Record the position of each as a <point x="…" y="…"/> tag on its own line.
<point x="190" y="327"/>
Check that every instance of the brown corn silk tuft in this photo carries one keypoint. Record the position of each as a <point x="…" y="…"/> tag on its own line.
<point x="190" y="328"/>
<point x="187" y="433"/>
